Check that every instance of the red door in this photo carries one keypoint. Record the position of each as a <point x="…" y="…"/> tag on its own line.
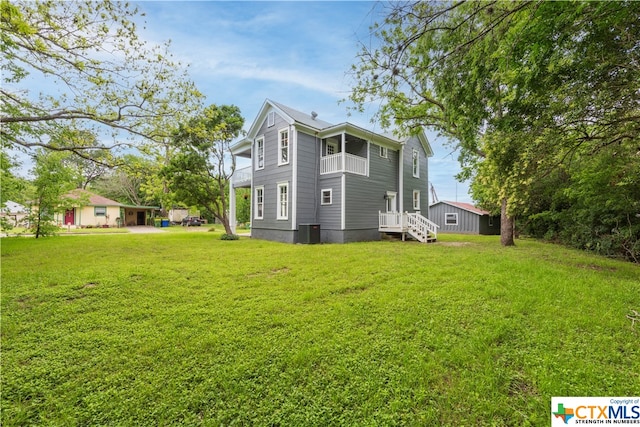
<point x="69" y="217"/>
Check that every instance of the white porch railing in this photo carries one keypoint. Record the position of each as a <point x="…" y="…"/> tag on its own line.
<point x="421" y="228"/>
<point x="391" y="221"/>
<point x="352" y="164"/>
<point x="241" y="177"/>
<point x="413" y="223"/>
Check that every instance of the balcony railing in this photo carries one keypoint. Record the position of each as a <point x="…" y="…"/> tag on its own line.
<point x="352" y="164"/>
<point x="241" y="177"/>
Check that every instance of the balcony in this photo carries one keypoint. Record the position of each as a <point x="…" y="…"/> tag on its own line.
<point x="344" y="163"/>
<point x="241" y="177"/>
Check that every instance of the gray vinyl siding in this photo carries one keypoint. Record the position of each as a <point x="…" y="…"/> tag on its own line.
<point x="330" y="216"/>
<point x="272" y="175"/>
<point x="411" y="183"/>
<point x="308" y="169"/>
<point x="468" y="222"/>
<point x="490" y="225"/>
<point x="365" y="195"/>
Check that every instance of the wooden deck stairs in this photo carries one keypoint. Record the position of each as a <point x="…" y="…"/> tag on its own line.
<point x="414" y="224"/>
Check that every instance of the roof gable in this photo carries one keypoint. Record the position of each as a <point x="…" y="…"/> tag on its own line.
<point x="324" y="129"/>
<point x="93" y="199"/>
<point x="13" y="207"/>
<point x="465" y="206"/>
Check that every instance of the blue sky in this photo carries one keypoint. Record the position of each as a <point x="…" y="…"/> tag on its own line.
<point x="293" y="52"/>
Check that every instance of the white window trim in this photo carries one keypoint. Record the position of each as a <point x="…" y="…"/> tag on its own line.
<point x="279" y="215"/>
<point x="330" y="190"/>
<point x="256" y="189"/>
<point x="455" y="215"/>
<point x="271" y="119"/>
<point x="416" y="200"/>
<point x="384" y="152"/>
<point x="415" y="163"/>
<point x="280" y="132"/>
<point x="260" y="139"/>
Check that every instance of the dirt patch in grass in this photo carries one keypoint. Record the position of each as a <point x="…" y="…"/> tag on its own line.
<point x="455" y="244"/>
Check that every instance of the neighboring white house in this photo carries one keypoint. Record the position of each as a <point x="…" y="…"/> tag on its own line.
<point x="93" y="210"/>
<point x="15" y="213"/>
<point x="311" y="179"/>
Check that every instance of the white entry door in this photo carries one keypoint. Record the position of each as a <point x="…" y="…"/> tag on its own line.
<point x="392" y="205"/>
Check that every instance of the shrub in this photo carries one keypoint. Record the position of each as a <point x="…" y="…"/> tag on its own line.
<point x="229" y="237"/>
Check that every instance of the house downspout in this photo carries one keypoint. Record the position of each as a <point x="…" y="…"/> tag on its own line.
<point x="343" y="215"/>
<point x="294" y="177"/>
<point x="401" y="181"/>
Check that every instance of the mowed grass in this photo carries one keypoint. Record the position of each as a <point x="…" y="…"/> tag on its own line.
<point x="186" y="329"/>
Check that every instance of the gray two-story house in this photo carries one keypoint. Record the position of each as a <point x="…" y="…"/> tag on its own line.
<point x="347" y="183"/>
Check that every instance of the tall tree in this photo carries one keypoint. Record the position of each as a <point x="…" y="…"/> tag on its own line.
<point x="516" y="86"/>
<point x="125" y="182"/>
<point x="12" y="185"/>
<point x="52" y="179"/>
<point x="93" y="72"/>
<point x="200" y="171"/>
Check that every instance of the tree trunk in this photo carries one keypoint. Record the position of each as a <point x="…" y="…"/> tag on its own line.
<point x="227" y="227"/>
<point x="507" y="226"/>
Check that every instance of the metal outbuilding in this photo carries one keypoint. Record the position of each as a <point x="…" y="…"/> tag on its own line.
<point x="458" y="217"/>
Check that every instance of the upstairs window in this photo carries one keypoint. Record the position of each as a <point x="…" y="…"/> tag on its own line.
<point x="332" y="148"/>
<point x="260" y="153"/>
<point x="416" y="164"/>
<point x="384" y="153"/>
<point x="283" y="137"/>
<point x="271" y="119"/>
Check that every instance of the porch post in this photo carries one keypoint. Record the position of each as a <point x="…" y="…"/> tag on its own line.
<point x="401" y="180"/>
<point x="344" y="151"/>
<point x="232" y="206"/>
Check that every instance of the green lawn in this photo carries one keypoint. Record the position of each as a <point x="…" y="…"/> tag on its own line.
<point x="183" y="328"/>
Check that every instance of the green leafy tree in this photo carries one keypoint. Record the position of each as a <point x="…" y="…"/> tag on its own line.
<point x="52" y="180"/>
<point x="13" y="187"/>
<point x="93" y="71"/>
<point x="518" y="87"/>
<point x="243" y="202"/>
<point x="200" y="170"/>
<point x="125" y="182"/>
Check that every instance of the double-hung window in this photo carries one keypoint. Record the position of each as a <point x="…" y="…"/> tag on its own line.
<point x="283" y="145"/>
<point x="416" y="164"/>
<point x="259" y="213"/>
<point x="416" y="200"/>
<point x="100" y="211"/>
<point x="384" y="153"/>
<point x="327" y="197"/>
<point x="283" y="201"/>
<point x="260" y="153"/>
<point x="451" y="219"/>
